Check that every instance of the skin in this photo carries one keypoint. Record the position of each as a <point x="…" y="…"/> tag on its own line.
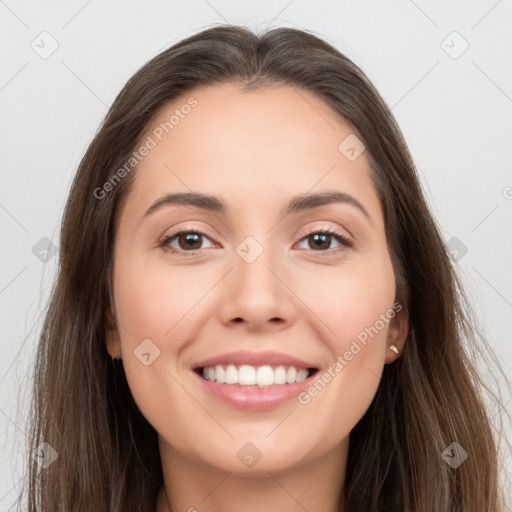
<point x="254" y="150"/>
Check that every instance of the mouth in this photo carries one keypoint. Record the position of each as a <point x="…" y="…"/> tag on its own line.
<point x="254" y="388"/>
<point x="255" y="377"/>
<point x="254" y="381"/>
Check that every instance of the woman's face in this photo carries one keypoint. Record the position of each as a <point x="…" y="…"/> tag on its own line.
<point x="260" y="277"/>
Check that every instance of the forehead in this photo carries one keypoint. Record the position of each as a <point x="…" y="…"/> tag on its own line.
<point x="268" y="143"/>
<point x="272" y="121"/>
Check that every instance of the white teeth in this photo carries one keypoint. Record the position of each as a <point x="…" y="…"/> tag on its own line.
<point x="301" y="375"/>
<point x="280" y="375"/>
<point x="265" y="376"/>
<point x="231" y="374"/>
<point x="247" y="375"/>
<point x="291" y="375"/>
<point x="220" y="375"/>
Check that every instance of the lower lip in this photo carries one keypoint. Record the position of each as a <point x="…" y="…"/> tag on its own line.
<point x="255" y="399"/>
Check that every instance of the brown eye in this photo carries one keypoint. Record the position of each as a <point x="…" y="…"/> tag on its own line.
<point x="187" y="241"/>
<point x="320" y="241"/>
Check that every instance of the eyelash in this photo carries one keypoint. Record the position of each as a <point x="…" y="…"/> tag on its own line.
<point x="344" y="241"/>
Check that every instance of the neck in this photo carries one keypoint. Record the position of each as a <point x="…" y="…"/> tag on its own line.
<point x="192" y="486"/>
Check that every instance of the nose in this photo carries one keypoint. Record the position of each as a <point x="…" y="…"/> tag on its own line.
<point x="256" y="295"/>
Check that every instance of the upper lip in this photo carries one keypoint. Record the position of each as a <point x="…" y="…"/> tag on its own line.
<point x="254" y="359"/>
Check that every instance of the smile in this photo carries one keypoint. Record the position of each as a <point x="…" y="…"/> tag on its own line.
<point x="254" y="381"/>
<point x="255" y="376"/>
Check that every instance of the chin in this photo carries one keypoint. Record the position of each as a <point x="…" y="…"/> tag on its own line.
<point x="255" y="458"/>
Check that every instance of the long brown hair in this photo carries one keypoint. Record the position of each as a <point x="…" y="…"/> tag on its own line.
<point x="431" y="396"/>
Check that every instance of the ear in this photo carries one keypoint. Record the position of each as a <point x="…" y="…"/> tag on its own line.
<point x="113" y="340"/>
<point x="397" y="334"/>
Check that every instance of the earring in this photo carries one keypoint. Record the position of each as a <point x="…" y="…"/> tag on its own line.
<point x="394" y="349"/>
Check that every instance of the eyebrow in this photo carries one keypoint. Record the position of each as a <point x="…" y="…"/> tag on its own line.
<point x="295" y="205"/>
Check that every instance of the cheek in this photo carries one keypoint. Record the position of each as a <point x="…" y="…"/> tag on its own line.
<point x="349" y="299"/>
<point x="157" y="302"/>
<point x="357" y="306"/>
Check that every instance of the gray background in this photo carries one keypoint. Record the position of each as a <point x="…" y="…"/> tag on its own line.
<point x="453" y="106"/>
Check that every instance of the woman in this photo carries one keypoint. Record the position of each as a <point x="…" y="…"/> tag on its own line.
<point x="255" y="309"/>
